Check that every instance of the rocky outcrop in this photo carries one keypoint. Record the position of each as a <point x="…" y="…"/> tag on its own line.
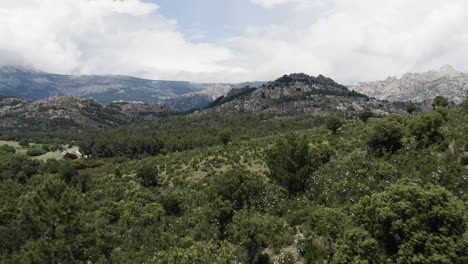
<point x="419" y="87"/>
<point x="298" y="93"/>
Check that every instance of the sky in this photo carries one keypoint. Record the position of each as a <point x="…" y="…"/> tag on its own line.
<point x="235" y="40"/>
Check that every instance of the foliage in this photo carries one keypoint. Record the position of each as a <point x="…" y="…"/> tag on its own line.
<point x="24" y="142"/>
<point x="410" y="107"/>
<point x="358" y="246"/>
<point x="425" y="128"/>
<point x="464" y="104"/>
<point x="7" y="149"/>
<point x="439" y="101"/>
<point x="415" y="224"/>
<point x="292" y="161"/>
<point x="333" y="123"/>
<point x="225" y="135"/>
<point x="33" y="152"/>
<point x="385" y="135"/>
<point x="283" y="189"/>
<point x="148" y="175"/>
<point x="365" y="115"/>
<point x="200" y="252"/>
<point x="254" y="231"/>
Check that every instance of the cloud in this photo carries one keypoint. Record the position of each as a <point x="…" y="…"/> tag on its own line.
<point x="363" y="40"/>
<point x="348" y="40"/>
<point x="101" y="37"/>
<point x="299" y="3"/>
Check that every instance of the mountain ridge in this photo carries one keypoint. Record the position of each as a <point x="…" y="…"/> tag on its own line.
<point x="71" y="112"/>
<point x="419" y="87"/>
<point x="298" y="92"/>
<point x="35" y="84"/>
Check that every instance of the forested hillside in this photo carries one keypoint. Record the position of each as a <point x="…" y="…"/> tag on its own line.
<point x="71" y="113"/>
<point x="246" y="188"/>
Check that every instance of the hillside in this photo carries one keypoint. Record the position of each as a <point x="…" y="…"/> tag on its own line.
<point x="34" y="84"/>
<point x="419" y="87"/>
<point x="298" y="93"/>
<point x="18" y="114"/>
<point x="390" y="190"/>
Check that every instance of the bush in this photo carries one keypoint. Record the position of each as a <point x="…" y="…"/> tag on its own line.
<point x="36" y="152"/>
<point x="358" y="246"/>
<point x="148" y="175"/>
<point x="439" y="101"/>
<point x="225" y="136"/>
<point x="410" y="107"/>
<point x="385" y="135"/>
<point x="364" y="116"/>
<point x="24" y="142"/>
<point x="425" y="128"/>
<point x="412" y="224"/>
<point x="254" y="232"/>
<point x="312" y="252"/>
<point x="464" y="160"/>
<point x="333" y="123"/>
<point x="7" y="149"/>
<point x="291" y="162"/>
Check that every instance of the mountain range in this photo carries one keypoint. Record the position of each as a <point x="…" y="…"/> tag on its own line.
<point x="106" y="101"/>
<point x="419" y="87"/>
<point x="179" y="95"/>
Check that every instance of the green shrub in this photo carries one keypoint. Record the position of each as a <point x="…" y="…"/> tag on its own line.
<point x="364" y="116"/>
<point x="464" y="160"/>
<point x="24" y="142"/>
<point x="38" y="151"/>
<point x="7" y="149"/>
<point x="425" y="128"/>
<point x="385" y="135"/>
<point x="439" y="101"/>
<point x="148" y="175"/>
<point x="412" y="224"/>
<point x="333" y="123"/>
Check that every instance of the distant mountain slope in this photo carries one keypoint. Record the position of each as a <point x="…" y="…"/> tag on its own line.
<point x="33" y="84"/>
<point x="419" y="87"/>
<point x="298" y="93"/>
<point x="72" y="112"/>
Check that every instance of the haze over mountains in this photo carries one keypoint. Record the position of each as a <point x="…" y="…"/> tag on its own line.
<point x="179" y="95"/>
<point x="446" y="81"/>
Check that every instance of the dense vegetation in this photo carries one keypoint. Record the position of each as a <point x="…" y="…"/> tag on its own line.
<point x="246" y="189"/>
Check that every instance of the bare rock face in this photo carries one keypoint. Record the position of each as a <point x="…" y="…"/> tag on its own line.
<point x="419" y="87"/>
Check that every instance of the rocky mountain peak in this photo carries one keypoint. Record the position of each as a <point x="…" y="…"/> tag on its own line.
<point x="446" y="81"/>
<point x="449" y="71"/>
<point x="292" y="79"/>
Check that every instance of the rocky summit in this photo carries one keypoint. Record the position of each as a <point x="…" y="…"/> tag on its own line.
<point x="298" y="93"/>
<point x="447" y="82"/>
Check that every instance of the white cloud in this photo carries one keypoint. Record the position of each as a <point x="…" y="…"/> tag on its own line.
<point x="363" y="40"/>
<point x="270" y="3"/>
<point x="101" y="37"/>
<point x="299" y="3"/>
<point x="349" y="40"/>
